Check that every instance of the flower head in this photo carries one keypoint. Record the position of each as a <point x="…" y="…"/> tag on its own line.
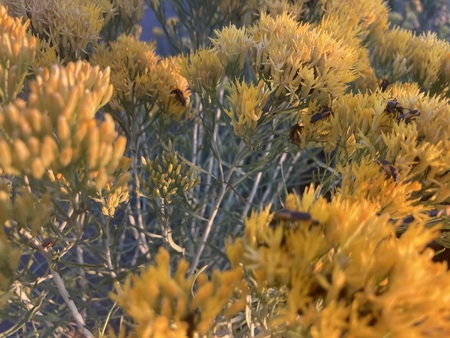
<point x="17" y="52"/>
<point x="69" y="26"/>
<point x="247" y="103"/>
<point x="299" y="61"/>
<point x="203" y="71"/>
<point x="339" y="269"/>
<point x="163" y="304"/>
<point x="231" y="46"/>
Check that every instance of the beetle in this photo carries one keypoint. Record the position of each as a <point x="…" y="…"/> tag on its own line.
<point x="179" y="96"/>
<point x="393" y="107"/>
<point x="323" y="112"/>
<point x="384" y="83"/>
<point x="389" y="169"/>
<point x="409" y="116"/>
<point x="291" y="215"/>
<point x="294" y="133"/>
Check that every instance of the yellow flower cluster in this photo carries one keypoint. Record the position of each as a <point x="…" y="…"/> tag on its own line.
<point x="423" y="59"/>
<point x="167" y="306"/>
<point x="368" y="180"/>
<point x="56" y="128"/>
<point x="170" y="178"/>
<point x="368" y="19"/>
<point x="299" y="61"/>
<point x="9" y="256"/>
<point x="69" y="25"/>
<point x="121" y="17"/>
<point x="46" y="56"/>
<point x="365" y="22"/>
<point x="231" y="47"/>
<point x="343" y="271"/>
<point x="414" y="141"/>
<point x="141" y="78"/>
<point x="130" y="10"/>
<point x="247" y="103"/>
<point x="203" y="70"/>
<point x="115" y="191"/>
<point x="279" y="7"/>
<point x="17" y="52"/>
<point x="238" y="9"/>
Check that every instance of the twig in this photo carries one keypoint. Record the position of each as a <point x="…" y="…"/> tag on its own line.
<point x="252" y="195"/>
<point x="108" y="253"/>
<point x="70" y="304"/>
<point x="205" y="236"/>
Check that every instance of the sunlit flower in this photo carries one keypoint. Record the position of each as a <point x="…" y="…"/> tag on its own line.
<point x="46" y="56"/>
<point x="132" y="11"/>
<point x="163" y="305"/>
<point x="296" y="59"/>
<point x="279" y="7"/>
<point x="131" y="61"/>
<point x="17" y="54"/>
<point x="231" y="46"/>
<point x="343" y="270"/>
<point x="142" y="79"/>
<point x="422" y="59"/>
<point x="56" y="129"/>
<point x="369" y="181"/>
<point x="168" y="177"/>
<point x="69" y="26"/>
<point x="247" y="103"/>
<point x="203" y="71"/>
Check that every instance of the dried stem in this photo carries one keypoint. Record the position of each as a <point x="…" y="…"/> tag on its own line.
<point x="70" y="304"/>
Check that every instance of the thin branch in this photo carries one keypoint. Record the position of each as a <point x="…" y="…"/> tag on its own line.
<point x="224" y="189"/>
<point x="252" y="194"/>
<point x="70" y="304"/>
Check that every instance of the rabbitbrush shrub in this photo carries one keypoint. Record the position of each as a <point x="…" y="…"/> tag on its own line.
<point x="284" y="174"/>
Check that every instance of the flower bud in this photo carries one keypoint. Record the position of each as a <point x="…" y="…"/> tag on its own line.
<point x="37" y="168"/>
<point x="21" y="154"/>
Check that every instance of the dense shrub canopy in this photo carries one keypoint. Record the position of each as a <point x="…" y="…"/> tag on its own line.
<point x="284" y="174"/>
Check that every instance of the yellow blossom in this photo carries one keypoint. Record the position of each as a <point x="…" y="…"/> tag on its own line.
<point x="369" y="181"/>
<point x="203" y="71"/>
<point x="422" y="59"/>
<point x="69" y="26"/>
<point x="46" y="55"/>
<point x="156" y="299"/>
<point x="278" y="7"/>
<point x="17" y="54"/>
<point x="231" y="46"/>
<point x="247" y="103"/>
<point x="141" y="78"/>
<point x="282" y="55"/>
<point x="344" y="274"/>
<point x="56" y="128"/>
<point x="132" y="11"/>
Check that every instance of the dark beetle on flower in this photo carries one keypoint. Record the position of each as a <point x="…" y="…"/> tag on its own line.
<point x="291" y="215"/>
<point x="286" y="214"/>
<point x="389" y="169"/>
<point x="294" y="133"/>
<point x="324" y="112"/>
<point x="384" y="84"/>
<point x="393" y="107"/>
<point x="179" y="96"/>
<point x="409" y="116"/>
